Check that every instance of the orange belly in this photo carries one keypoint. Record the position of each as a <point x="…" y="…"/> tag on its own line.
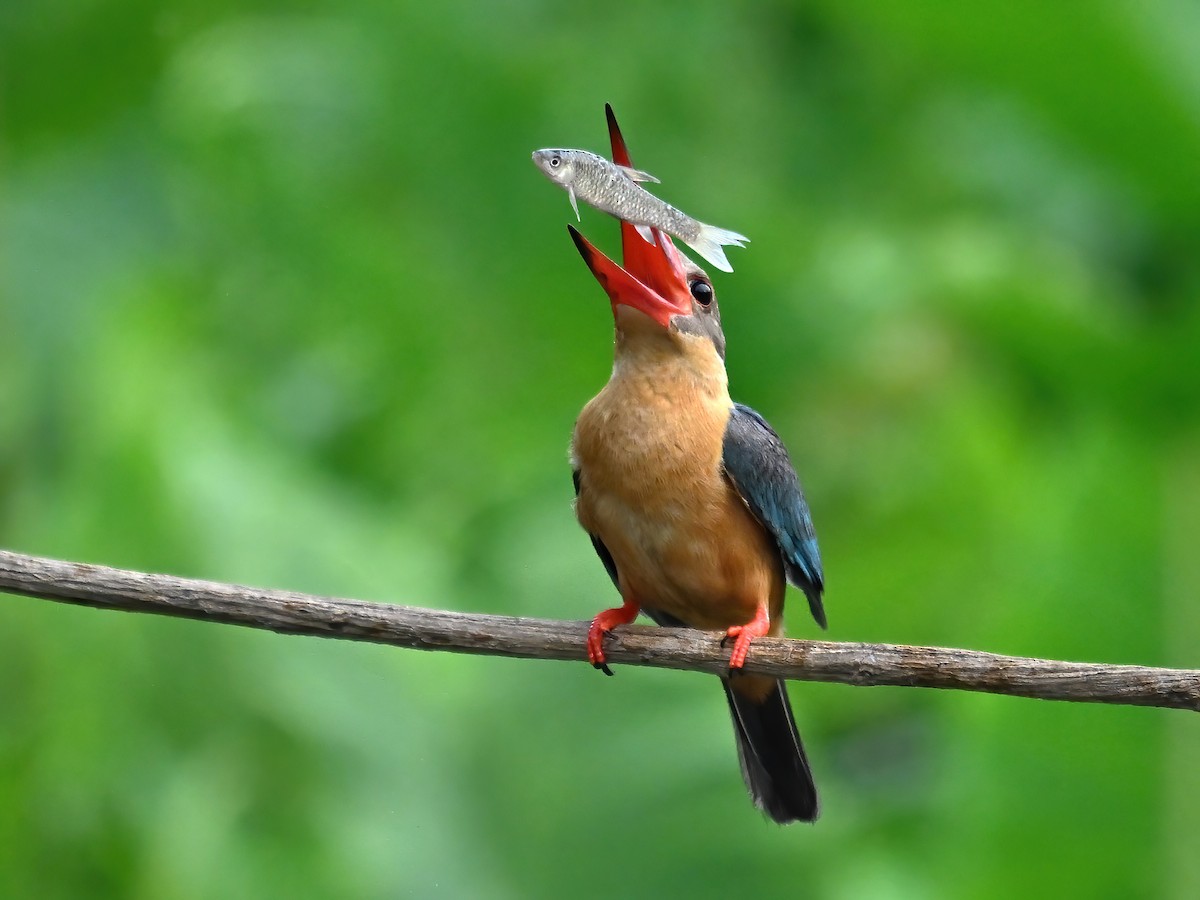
<point x="652" y="489"/>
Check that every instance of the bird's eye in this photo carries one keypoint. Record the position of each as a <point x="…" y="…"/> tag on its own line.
<point x="702" y="291"/>
<point x="555" y="161"/>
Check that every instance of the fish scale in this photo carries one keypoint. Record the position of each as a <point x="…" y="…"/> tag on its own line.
<point x="619" y="195"/>
<point x="613" y="189"/>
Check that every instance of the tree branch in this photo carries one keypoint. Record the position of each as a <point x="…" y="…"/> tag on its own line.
<point x="672" y="648"/>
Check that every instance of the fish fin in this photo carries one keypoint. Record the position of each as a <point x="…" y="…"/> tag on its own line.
<point x="574" y="203"/>
<point x="646" y="232"/>
<point x="637" y="174"/>
<point x="710" y="240"/>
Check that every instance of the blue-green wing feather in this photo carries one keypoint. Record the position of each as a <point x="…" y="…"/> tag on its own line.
<point x="757" y="464"/>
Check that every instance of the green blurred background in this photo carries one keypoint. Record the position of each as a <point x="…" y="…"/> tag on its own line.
<point x="285" y="303"/>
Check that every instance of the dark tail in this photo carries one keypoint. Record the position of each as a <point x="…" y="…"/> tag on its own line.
<point x="773" y="762"/>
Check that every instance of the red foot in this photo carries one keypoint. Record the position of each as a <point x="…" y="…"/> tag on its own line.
<point x="756" y="627"/>
<point x="604" y="623"/>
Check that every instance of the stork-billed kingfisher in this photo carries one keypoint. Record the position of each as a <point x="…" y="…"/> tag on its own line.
<point x="691" y="500"/>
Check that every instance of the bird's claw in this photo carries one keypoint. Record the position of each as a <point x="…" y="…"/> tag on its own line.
<point x="602" y="625"/>
<point x="743" y="635"/>
<point x="741" y="645"/>
<point x="595" y="646"/>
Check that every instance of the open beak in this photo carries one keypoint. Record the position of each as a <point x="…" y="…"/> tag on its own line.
<point x="654" y="284"/>
<point x="654" y="278"/>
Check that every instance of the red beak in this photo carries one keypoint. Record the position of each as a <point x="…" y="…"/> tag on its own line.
<point x="654" y="278"/>
<point x="662" y="267"/>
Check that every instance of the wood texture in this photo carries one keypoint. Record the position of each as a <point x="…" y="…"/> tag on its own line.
<point x="428" y="629"/>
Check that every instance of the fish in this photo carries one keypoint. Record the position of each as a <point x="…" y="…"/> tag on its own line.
<point x="616" y="190"/>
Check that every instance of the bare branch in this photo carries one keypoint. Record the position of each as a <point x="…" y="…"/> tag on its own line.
<point x="672" y="648"/>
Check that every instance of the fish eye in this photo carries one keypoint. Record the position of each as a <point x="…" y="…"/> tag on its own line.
<point x="702" y="291"/>
<point x="555" y="161"/>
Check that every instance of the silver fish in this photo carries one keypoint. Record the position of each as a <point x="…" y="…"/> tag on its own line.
<point x="614" y="190"/>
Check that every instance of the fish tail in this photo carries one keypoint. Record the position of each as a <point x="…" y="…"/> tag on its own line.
<point x="710" y="241"/>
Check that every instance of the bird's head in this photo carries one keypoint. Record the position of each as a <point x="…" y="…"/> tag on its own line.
<point x="658" y="289"/>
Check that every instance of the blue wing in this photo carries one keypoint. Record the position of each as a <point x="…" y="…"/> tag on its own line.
<point x="757" y="464"/>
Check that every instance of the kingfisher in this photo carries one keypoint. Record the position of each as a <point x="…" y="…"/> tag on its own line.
<point x="691" y="500"/>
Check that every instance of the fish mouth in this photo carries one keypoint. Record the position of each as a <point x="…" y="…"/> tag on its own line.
<point x="541" y="159"/>
<point x="653" y="278"/>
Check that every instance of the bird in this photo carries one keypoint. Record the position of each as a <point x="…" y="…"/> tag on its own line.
<point x="691" y="500"/>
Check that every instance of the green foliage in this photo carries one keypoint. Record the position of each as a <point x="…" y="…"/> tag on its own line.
<point x="284" y="302"/>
